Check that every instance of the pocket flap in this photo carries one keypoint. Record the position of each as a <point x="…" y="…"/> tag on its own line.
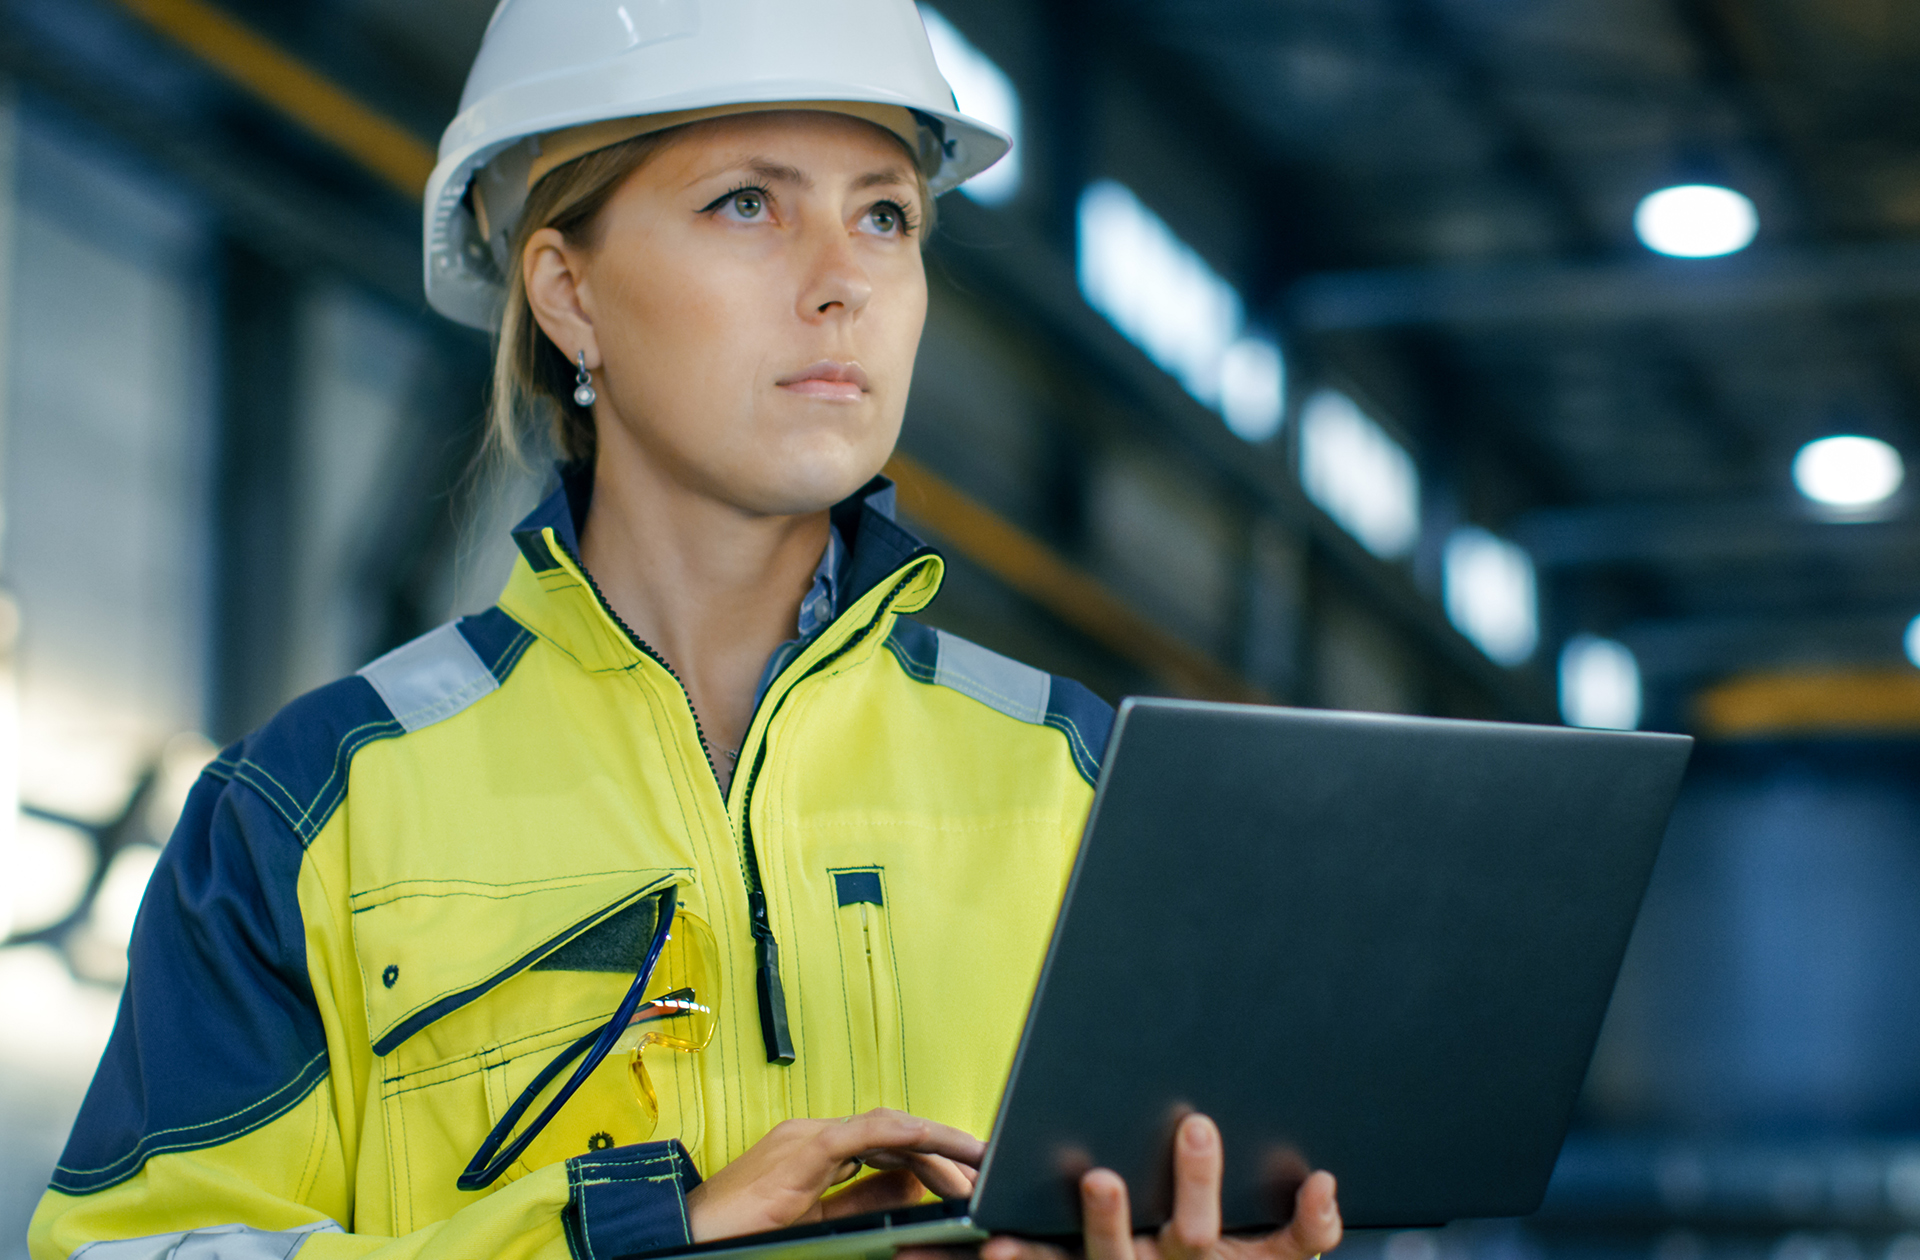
<point x="429" y="947"/>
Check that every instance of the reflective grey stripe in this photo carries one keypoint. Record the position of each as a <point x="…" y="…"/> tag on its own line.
<point x="217" y="1242"/>
<point x="1019" y="691"/>
<point x="431" y="678"/>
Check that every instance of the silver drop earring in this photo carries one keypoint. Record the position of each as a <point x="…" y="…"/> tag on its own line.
<point x="583" y="394"/>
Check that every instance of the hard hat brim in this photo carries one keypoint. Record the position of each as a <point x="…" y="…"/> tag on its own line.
<point x="461" y="275"/>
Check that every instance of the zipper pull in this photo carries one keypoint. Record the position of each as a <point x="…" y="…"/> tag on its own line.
<point x="773" y="997"/>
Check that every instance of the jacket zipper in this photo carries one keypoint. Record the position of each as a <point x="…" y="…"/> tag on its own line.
<point x="773" y="997"/>
<point x="706" y="749"/>
<point x="772" y="994"/>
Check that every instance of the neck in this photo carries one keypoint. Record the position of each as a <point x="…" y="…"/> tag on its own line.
<point x="711" y="588"/>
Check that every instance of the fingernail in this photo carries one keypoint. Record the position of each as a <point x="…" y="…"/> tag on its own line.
<point x="1197" y="1134"/>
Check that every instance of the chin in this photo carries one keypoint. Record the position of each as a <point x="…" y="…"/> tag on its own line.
<point x="801" y="487"/>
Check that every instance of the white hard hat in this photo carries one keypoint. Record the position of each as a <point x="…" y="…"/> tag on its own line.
<point x="561" y="66"/>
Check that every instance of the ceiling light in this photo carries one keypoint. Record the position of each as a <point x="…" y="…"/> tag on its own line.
<point x="1358" y="475"/>
<point x="1253" y="388"/>
<point x="1696" y="221"/>
<point x="1913" y="640"/>
<point x="1163" y="297"/>
<point x="1848" y="472"/>
<point x="1490" y="597"/>
<point x="1599" y="684"/>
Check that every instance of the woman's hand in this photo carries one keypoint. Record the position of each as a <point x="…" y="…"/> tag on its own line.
<point x="1194" y="1231"/>
<point x="783" y="1178"/>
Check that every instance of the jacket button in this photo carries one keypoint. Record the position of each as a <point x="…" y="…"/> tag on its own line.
<point x="600" y="1141"/>
<point x="391" y="974"/>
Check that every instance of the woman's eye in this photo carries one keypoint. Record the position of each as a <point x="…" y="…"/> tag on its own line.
<point x="888" y="219"/>
<point x="746" y="205"/>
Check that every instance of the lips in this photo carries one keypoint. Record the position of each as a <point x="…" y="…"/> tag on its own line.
<point x="827" y="379"/>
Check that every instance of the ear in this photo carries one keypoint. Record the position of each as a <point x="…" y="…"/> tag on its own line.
<point x="555" y="275"/>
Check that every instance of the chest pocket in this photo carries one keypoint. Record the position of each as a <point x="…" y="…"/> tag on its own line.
<point x="871" y="982"/>
<point x="464" y="1012"/>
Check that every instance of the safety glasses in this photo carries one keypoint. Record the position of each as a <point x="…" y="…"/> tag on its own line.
<point x="680" y="972"/>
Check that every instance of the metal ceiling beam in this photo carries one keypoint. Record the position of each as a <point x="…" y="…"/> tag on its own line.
<point x="1704" y="533"/>
<point x="1572" y="293"/>
<point x="1689" y="648"/>
<point x="308" y="225"/>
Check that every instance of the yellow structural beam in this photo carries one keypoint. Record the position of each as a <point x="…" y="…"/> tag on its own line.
<point x="1035" y="570"/>
<point x="288" y="86"/>
<point x="285" y="84"/>
<point x="1812" y="702"/>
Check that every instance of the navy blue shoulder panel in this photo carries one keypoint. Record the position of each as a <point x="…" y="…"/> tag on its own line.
<point x="916" y="647"/>
<point x="298" y="761"/>
<point x="1008" y="686"/>
<point x="1085" y="719"/>
<point x="497" y="639"/>
<point x="218" y="1031"/>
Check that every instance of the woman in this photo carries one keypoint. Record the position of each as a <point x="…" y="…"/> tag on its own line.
<point x="697" y="742"/>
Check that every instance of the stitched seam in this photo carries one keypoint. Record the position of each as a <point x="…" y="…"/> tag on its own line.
<point x="971" y="686"/>
<point x="511" y="654"/>
<point x="846" y="986"/>
<point x="480" y="988"/>
<point x="303" y="822"/>
<point x="147" y="1147"/>
<point x="1082" y="756"/>
<point x="346" y="738"/>
<point x="552" y="883"/>
<point x="912" y="666"/>
<point x="899" y="1007"/>
<point x="558" y="1035"/>
<point x="445" y="707"/>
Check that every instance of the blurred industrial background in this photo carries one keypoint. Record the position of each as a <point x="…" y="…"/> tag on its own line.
<point x="1336" y="352"/>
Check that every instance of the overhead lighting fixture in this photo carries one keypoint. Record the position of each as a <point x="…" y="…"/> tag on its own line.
<point x="981" y="88"/>
<point x="1848" y="472"/>
<point x="1599" y="684"/>
<point x="1490" y="595"/>
<point x="1164" y="298"/>
<point x="1253" y="388"/>
<point x="1358" y="475"/>
<point x="1696" y="221"/>
<point x="1913" y="640"/>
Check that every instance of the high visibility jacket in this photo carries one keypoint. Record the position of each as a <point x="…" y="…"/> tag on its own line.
<point x="380" y="916"/>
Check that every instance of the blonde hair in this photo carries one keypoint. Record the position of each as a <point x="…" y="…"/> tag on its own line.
<point x="533" y="382"/>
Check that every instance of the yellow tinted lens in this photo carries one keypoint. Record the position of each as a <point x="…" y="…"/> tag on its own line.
<point x="686" y="986"/>
<point x="682" y="994"/>
<point x="643" y="1091"/>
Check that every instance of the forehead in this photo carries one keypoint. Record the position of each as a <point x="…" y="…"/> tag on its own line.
<point x="815" y="142"/>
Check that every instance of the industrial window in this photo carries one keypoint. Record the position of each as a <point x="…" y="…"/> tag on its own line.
<point x="1358" y="475"/>
<point x="1164" y="298"/>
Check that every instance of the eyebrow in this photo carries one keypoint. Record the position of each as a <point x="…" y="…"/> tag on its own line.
<point x="780" y="173"/>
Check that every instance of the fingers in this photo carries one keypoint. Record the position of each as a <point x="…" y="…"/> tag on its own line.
<point x="943" y="1176"/>
<point x="1106" y="1220"/>
<point x="1316" y="1225"/>
<point x="881" y="1192"/>
<point x="1198" y="1164"/>
<point x="884" y="1130"/>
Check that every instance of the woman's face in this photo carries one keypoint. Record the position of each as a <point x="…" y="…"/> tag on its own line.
<point x="753" y="300"/>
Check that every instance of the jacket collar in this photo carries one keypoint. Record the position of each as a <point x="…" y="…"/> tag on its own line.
<point x="549" y="595"/>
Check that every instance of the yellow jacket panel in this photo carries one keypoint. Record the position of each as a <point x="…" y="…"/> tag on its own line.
<point x="383" y="913"/>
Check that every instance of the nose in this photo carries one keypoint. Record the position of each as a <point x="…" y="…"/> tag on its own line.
<point x="836" y="284"/>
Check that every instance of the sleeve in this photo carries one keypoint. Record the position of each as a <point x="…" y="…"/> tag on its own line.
<point x="220" y="1123"/>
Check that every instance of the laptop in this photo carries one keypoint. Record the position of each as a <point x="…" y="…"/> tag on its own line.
<point x="1375" y="944"/>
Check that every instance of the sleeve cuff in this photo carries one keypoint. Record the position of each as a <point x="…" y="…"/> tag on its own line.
<point x="628" y="1201"/>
